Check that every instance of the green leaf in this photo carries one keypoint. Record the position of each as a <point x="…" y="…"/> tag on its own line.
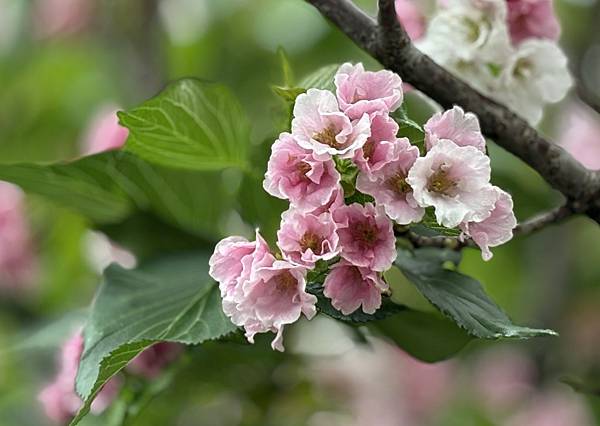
<point x="286" y="67"/>
<point x="288" y="94"/>
<point x="172" y="300"/>
<point x="191" y="124"/>
<point x="321" y="78"/>
<point x="108" y="188"/>
<point x="459" y="297"/>
<point x="423" y="335"/>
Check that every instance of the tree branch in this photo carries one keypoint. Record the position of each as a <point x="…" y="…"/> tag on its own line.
<point x="542" y="220"/>
<point x="391" y="46"/>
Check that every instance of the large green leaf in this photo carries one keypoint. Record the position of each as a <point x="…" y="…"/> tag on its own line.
<point x="192" y="124"/>
<point x="459" y="297"/>
<point x="172" y="300"/>
<point x="110" y="187"/>
<point x="321" y="78"/>
<point x="425" y="336"/>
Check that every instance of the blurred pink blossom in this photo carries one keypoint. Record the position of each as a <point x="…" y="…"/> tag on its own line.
<point x="59" y="400"/>
<point x="556" y="407"/>
<point x="384" y="386"/>
<point x="532" y="19"/>
<point x="411" y="18"/>
<point x="17" y="259"/>
<point x="104" y="132"/>
<point x="52" y="18"/>
<point x="151" y="362"/>
<point x="580" y="136"/>
<point x="503" y="378"/>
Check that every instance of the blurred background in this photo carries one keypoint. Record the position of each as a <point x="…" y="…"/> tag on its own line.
<point x="67" y="65"/>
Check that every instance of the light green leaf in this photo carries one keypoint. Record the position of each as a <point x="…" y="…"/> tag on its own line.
<point x="172" y="300"/>
<point x="321" y="78"/>
<point x="459" y="297"/>
<point x="191" y="124"/>
<point x="110" y="187"/>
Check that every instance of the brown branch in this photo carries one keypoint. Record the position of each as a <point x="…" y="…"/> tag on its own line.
<point x="542" y="220"/>
<point x="389" y="44"/>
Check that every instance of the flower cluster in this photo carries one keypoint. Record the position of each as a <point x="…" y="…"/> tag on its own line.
<point x="333" y="133"/>
<point x="505" y="48"/>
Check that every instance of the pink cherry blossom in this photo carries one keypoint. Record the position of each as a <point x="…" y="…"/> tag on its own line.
<point x="104" y="132"/>
<point x="319" y="125"/>
<point x="152" y="361"/>
<point x="455" y="125"/>
<point x="495" y="229"/>
<point x="59" y="400"/>
<point x="307" y="180"/>
<point x="532" y="19"/>
<point x="233" y="262"/>
<point x="349" y="287"/>
<point x="305" y="238"/>
<point x="580" y="135"/>
<point x="362" y="92"/>
<point x="380" y="147"/>
<point x="411" y="18"/>
<point x="455" y="181"/>
<point x="274" y="296"/>
<point x="17" y="259"/>
<point x="554" y="407"/>
<point x="389" y="188"/>
<point x="366" y="236"/>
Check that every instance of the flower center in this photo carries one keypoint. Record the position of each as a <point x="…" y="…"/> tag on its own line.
<point x="285" y="282"/>
<point x="312" y="241"/>
<point x="327" y="137"/>
<point x="368" y="149"/>
<point x="303" y="168"/>
<point x="364" y="232"/>
<point x="523" y="68"/>
<point x="440" y="182"/>
<point x="398" y="184"/>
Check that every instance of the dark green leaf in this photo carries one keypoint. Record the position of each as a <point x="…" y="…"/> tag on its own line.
<point x="459" y="297"/>
<point x="191" y="124"/>
<point x="423" y="335"/>
<point x="170" y="300"/>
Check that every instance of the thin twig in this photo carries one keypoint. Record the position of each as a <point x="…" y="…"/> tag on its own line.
<point x="544" y="219"/>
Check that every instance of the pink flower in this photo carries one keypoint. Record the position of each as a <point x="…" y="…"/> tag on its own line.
<point x="411" y="18"/>
<point x="59" y="400"/>
<point x="455" y="125"/>
<point x="232" y="261"/>
<point x="380" y="147"/>
<point x="455" y="180"/>
<point x="495" y="229"/>
<point x="297" y="174"/>
<point x="319" y="125"/>
<point x="532" y="19"/>
<point x="366" y="92"/>
<point x="555" y="407"/>
<point x="389" y="188"/>
<point x="580" y="136"/>
<point x="336" y="201"/>
<point x="151" y="361"/>
<point x="366" y="236"/>
<point x="104" y="132"/>
<point x="274" y="296"/>
<point x="350" y="287"/>
<point x="305" y="238"/>
<point x="17" y="259"/>
<point x="60" y="17"/>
